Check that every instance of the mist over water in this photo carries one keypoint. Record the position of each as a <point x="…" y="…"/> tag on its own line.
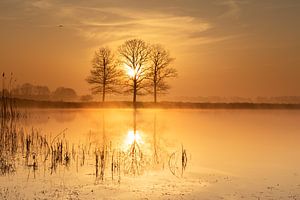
<point x="239" y="141"/>
<point x="253" y="149"/>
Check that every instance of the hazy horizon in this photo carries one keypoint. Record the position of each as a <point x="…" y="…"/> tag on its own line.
<point x="222" y="47"/>
<point x="158" y="99"/>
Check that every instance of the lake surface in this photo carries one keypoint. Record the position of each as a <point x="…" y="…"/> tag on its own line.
<point x="253" y="145"/>
<point x="221" y="139"/>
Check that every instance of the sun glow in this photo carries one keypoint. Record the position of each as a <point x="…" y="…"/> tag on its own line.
<point x="133" y="137"/>
<point x="131" y="72"/>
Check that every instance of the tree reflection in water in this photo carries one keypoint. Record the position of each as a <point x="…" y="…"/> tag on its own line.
<point x="36" y="151"/>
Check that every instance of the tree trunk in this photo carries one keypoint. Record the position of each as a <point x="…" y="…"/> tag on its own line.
<point x="155" y="82"/>
<point x="134" y="90"/>
<point x="155" y="98"/>
<point x="104" y="80"/>
<point x="103" y="94"/>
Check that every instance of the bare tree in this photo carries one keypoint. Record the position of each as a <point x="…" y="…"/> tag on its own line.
<point x="134" y="56"/>
<point x="105" y="74"/>
<point x="159" y="70"/>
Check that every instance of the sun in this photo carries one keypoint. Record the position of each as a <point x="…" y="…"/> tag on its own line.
<point x="133" y="72"/>
<point x="129" y="71"/>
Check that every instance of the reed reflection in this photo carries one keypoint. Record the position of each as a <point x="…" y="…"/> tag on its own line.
<point x="107" y="155"/>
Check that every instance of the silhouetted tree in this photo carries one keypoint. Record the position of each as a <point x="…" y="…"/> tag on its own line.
<point x="29" y="91"/>
<point x="64" y="94"/>
<point x="105" y="73"/>
<point x="134" y="56"/>
<point x="26" y="90"/>
<point x="42" y="91"/>
<point x="159" y="70"/>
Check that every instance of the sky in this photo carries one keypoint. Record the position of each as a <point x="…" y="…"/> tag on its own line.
<point x="244" y="48"/>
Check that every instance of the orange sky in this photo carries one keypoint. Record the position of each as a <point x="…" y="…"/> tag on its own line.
<point x="242" y="48"/>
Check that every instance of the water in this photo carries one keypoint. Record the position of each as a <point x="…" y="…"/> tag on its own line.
<point x="255" y="145"/>
<point x="234" y="141"/>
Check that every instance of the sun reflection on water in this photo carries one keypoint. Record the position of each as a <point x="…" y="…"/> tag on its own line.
<point x="132" y="137"/>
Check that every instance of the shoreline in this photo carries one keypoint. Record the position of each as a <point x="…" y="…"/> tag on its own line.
<point x="26" y="103"/>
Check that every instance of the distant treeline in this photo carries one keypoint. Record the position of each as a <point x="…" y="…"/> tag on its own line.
<point x="43" y="93"/>
<point x="64" y="94"/>
<point x="236" y="99"/>
<point x="26" y="103"/>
